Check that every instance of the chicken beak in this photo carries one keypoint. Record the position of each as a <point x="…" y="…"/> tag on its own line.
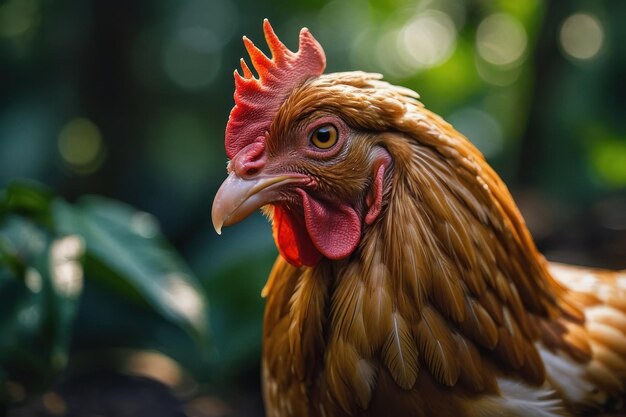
<point x="238" y="197"/>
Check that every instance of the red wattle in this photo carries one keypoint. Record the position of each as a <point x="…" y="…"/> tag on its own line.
<point x="334" y="228"/>
<point x="292" y="239"/>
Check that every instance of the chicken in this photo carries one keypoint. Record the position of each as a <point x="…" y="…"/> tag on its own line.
<point x="407" y="282"/>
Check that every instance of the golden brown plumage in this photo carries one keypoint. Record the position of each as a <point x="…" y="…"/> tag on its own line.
<point x="444" y="306"/>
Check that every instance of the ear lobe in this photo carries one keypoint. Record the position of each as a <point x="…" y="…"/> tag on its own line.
<point x="374" y="199"/>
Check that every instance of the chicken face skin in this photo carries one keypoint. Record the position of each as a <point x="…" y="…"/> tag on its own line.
<point x="306" y="185"/>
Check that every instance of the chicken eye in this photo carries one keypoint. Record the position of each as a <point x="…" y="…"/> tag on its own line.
<point x="324" y="136"/>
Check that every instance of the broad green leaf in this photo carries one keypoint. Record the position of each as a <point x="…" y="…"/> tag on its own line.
<point x="28" y="198"/>
<point x="39" y="291"/>
<point x="125" y="249"/>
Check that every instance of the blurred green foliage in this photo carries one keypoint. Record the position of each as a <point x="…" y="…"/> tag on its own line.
<point x="50" y="250"/>
<point x="129" y="100"/>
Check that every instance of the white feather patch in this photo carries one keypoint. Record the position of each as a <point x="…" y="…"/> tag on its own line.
<point x="566" y="375"/>
<point x="519" y="400"/>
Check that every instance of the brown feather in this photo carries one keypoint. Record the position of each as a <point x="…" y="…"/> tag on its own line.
<point x="576" y="341"/>
<point x="608" y="316"/>
<point x="447" y="293"/>
<point x="509" y="349"/>
<point x="608" y="336"/>
<point x="377" y="306"/>
<point x="306" y="322"/>
<point x="437" y="347"/>
<point x="348" y="375"/>
<point x="605" y="378"/>
<point x="471" y="373"/>
<point x="610" y="358"/>
<point x="399" y="353"/>
<point x="533" y="369"/>
<point x="479" y="326"/>
<point x="493" y="306"/>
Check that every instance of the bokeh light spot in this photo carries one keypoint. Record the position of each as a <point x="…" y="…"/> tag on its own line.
<point x="217" y="19"/>
<point x="501" y="39"/>
<point x="581" y="36"/>
<point x="183" y="298"/>
<point x="608" y="159"/>
<point x="33" y="280"/>
<point x="144" y="224"/>
<point x="155" y="365"/>
<point x="186" y="63"/>
<point x="388" y="56"/>
<point x="80" y="145"/>
<point x="199" y="39"/>
<point x="428" y="40"/>
<point x="18" y="17"/>
<point x="67" y="271"/>
<point x="29" y="317"/>
<point x="498" y="75"/>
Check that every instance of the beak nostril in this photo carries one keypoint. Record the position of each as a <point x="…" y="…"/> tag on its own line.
<point x="250" y="160"/>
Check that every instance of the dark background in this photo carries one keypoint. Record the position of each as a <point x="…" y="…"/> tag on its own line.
<point x="129" y="100"/>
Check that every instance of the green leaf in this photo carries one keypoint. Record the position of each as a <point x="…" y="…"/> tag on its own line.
<point x="48" y="248"/>
<point x="125" y="250"/>
<point x="38" y="301"/>
<point x="28" y="198"/>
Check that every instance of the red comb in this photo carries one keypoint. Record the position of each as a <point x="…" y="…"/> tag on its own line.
<point x="257" y="100"/>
